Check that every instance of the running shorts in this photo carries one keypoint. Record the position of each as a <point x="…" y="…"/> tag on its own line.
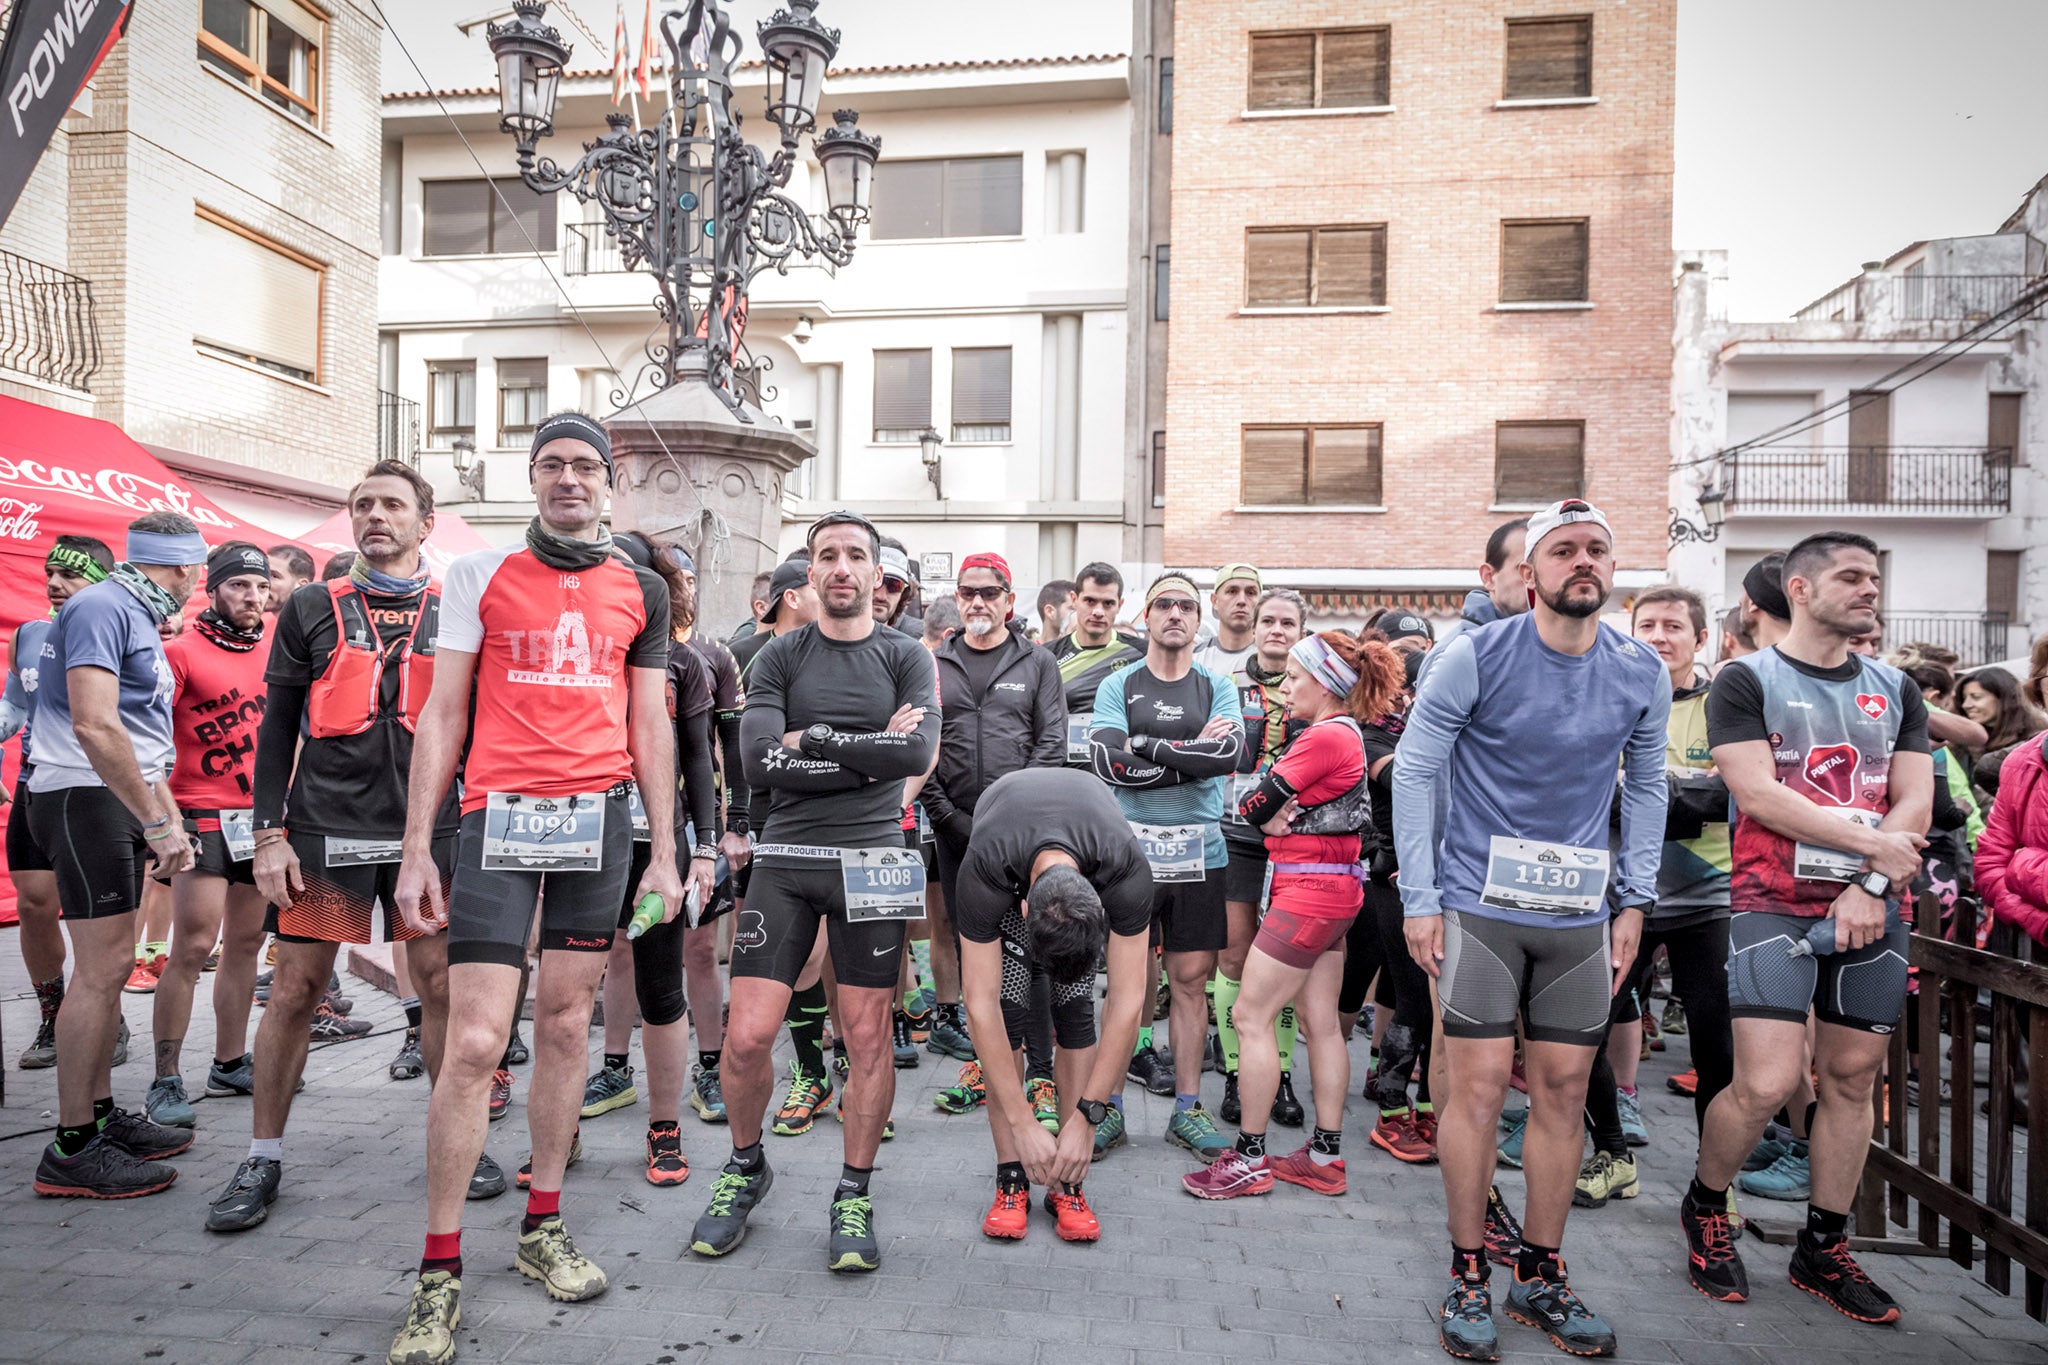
<point x="23" y="853"/>
<point x="778" y="927"/>
<point x="210" y="847"/>
<point x="1558" y="980"/>
<point x="1244" y="877"/>
<point x="1073" y="1002"/>
<point x="1299" y="940"/>
<point x="1190" y="915"/>
<point x="96" y="848"/>
<point x="490" y="910"/>
<point x="1864" y="989"/>
<point x="337" y="903"/>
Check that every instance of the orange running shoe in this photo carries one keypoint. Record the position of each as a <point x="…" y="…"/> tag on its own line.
<point x="1401" y="1137"/>
<point x="1009" y="1216"/>
<point x="1299" y="1168"/>
<point x="666" y="1164"/>
<point x="148" y="970"/>
<point x="1072" y="1218"/>
<point x="1684" y="1083"/>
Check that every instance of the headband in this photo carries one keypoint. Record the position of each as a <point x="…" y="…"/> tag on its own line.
<point x="233" y="560"/>
<point x="578" y="427"/>
<point x="1325" y="665"/>
<point x="75" y="562"/>
<point x="1172" y="582"/>
<point x="155" y="547"/>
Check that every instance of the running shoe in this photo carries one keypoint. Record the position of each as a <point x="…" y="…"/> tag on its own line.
<point x="1776" y="1142"/>
<point x="1231" y="1111"/>
<point x="1044" y="1099"/>
<point x="1831" y="1274"/>
<point x="666" y="1164"/>
<point x="1287" y="1110"/>
<point x="1517" y="1077"/>
<point x="121" y="1045"/>
<point x="501" y="1093"/>
<point x="807" y="1095"/>
<point x="919" y="1022"/>
<point x="1009" y="1217"/>
<point x="1653" y="1034"/>
<point x="905" y="1045"/>
<point x="515" y="1049"/>
<point x="1513" y="1128"/>
<point x="1503" y="1233"/>
<point x="212" y="963"/>
<point x="1400" y="1136"/>
<point x="1212" y="1053"/>
<point x="842" y="1069"/>
<point x="104" y="1169"/>
<point x="247" y="1199"/>
<point x="734" y="1195"/>
<point x="851" y="1244"/>
<point x="549" y="1255"/>
<point x="707" y="1095"/>
<point x="1605" y="1176"/>
<point x="1789" y="1178"/>
<point x="969" y="1092"/>
<point x="1632" y="1125"/>
<point x="143" y="1139"/>
<point x="609" y="1088"/>
<point x="1425" y="1124"/>
<point x="43" y="1051"/>
<point x="338" y="1002"/>
<point x="1150" y="1070"/>
<point x="1736" y="1222"/>
<point x="331" y="1026"/>
<point x="428" y="1336"/>
<point x="1645" y="1047"/>
<point x="949" y="1039"/>
<point x="1072" y="1219"/>
<point x="487" y="1181"/>
<point x="233" y="1078"/>
<point x="1686" y="1083"/>
<point x="1196" y="1131"/>
<point x="524" y="1176"/>
<point x="148" y="971"/>
<point x="1548" y="1304"/>
<point x="1673" y="1019"/>
<point x="270" y="953"/>
<point x="1227" y="1177"/>
<point x="1465" y="1326"/>
<point x="1109" y="1134"/>
<point x="1299" y="1167"/>
<point x="1712" y="1263"/>
<point x="409" y="1063"/>
<point x="1162" y="1001"/>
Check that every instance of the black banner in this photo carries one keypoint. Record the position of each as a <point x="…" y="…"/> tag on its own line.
<point x="52" y="49"/>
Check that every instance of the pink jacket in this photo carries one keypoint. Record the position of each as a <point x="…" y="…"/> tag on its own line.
<point x="2012" y="853"/>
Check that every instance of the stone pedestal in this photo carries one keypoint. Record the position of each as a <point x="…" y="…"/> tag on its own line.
<point x="691" y="471"/>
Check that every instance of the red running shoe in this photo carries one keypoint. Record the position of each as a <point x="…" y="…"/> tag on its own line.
<point x="1425" y="1120"/>
<point x="1009" y="1216"/>
<point x="1401" y="1137"/>
<point x="1300" y="1168"/>
<point x="1685" y="1083"/>
<point x="1228" y="1177"/>
<point x="1073" y="1220"/>
<point x="501" y="1093"/>
<point x="666" y="1164"/>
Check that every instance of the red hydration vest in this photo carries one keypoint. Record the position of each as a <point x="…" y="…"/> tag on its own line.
<point x="346" y="698"/>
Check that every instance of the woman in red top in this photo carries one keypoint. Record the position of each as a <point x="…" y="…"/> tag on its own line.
<point x="1313" y="806"/>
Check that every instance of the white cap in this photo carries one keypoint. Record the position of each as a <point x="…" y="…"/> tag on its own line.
<point x="1556" y="517"/>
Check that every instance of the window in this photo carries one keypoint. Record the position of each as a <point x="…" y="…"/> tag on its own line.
<point x="522" y="398"/>
<point x="1543" y="261"/>
<point x="1309" y="466"/>
<point x="451" y="401"/>
<point x="262" y="301"/>
<point x="2002" y="584"/>
<point x="469" y="218"/>
<point x="963" y="196"/>
<point x="1159" y="469"/>
<point x="1535" y="463"/>
<point x="270" y="46"/>
<point x="1166" y="95"/>
<point x="2004" y="427"/>
<point x="1549" y="59"/>
<point x="903" y="394"/>
<point x="1162" y="270"/>
<point x="1327" y="267"/>
<point x="598" y="390"/>
<point x="1332" y="69"/>
<point x="981" y="394"/>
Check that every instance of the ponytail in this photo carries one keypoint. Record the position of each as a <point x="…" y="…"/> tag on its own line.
<point x="1382" y="674"/>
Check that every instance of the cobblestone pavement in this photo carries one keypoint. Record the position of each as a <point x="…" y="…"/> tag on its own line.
<point x="1288" y="1277"/>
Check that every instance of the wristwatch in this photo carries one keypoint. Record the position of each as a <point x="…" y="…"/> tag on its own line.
<point x="1875" y="883"/>
<point x="1095" y="1111"/>
<point x="814" y="739"/>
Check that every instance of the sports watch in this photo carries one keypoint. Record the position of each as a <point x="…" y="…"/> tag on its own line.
<point x="814" y="739"/>
<point x="1095" y="1111"/>
<point x="1875" y="883"/>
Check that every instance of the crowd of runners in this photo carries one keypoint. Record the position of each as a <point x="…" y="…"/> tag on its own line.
<point x="912" y="826"/>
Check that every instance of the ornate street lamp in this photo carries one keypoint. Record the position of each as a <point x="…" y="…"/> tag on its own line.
<point x="928" y="443"/>
<point x="688" y="196"/>
<point x="1713" y="512"/>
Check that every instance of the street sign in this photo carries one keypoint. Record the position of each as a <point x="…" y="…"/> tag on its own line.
<point x="935" y="566"/>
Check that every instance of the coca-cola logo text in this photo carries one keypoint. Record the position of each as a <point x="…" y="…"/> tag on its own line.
<point x="114" y="487"/>
<point x="18" y="519"/>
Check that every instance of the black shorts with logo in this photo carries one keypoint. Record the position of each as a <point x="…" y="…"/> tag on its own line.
<point x="96" y="848"/>
<point x="1190" y="915"/>
<point x="778" y="926"/>
<point x="210" y="850"/>
<point x="1864" y="989"/>
<point x="490" y="911"/>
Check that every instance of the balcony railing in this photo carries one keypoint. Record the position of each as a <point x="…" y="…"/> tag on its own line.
<point x="398" y="428"/>
<point x="48" y="329"/>
<point x="1846" y="480"/>
<point x="1964" y="298"/>
<point x="1979" y="637"/>
<point x="587" y="249"/>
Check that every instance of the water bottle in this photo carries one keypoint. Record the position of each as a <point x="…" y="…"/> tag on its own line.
<point x="1820" y="939"/>
<point x="646" y="914"/>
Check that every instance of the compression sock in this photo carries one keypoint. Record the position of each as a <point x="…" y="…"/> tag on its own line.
<point x="921" y="958"/>
<point x="411" y="1006"/>
<point x="1010" y="1177"/>
<point x="541" y="1205"/>
<point x="1323" y="1147"/>
<point x="1251" y="1146"/>
<point x="709" y="1060"/>
<point x="1226" y="1017"/>
<point x="444" y="1252"/>
<point x="616" y="1061"/>
<point x="1285" y="1030"/>
<point x="806" y="1019"/>
<point x="853" y="1182"/>
<point x="50" y="995"/>
<point x="1532" y="1261"/>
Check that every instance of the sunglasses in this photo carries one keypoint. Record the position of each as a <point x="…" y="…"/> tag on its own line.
<point x="990" y="594"/>
<point x="1180" y="605"/>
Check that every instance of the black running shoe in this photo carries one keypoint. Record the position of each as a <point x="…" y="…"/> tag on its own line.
<point x="487" y="1181"/>
<point x="1712" y="1263"/>
<point x="1287" y="1110"/>
<point x="409" y="1062"/>
<point x="142" y="1139"/>
<point x="852" y="1245"/>
<point x="1831" y="1274"/>
<point x="1503" y="1233"/>
<point x="1232" y="1108"/>
<point x="247" y="1199"/>
<point x="103" y="1170"/>
<point x="515" y="1050"/>
<point x="1149" y="1070"/>
<point x="733" y="1197"/>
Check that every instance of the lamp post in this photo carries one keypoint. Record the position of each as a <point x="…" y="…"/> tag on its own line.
<point x="928" y="443"/>
<point x="469" y="470"/>
<point x="1713" y="513"/>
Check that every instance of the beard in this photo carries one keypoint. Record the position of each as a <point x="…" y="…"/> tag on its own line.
<point x="861" y="604"/>
<point x="981" y="627"/>
<point x="1564" y="604"/>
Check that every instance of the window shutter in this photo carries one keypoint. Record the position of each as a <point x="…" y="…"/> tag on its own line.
<point x="1549" y="58"/>
<point x="1283" y="71"/>
<point x="295" y="17"/>
<point x="981" y="387"/>
<point x="984" y="196"/>
<point x="2002" y="583"/>
<point x="1277" y="268"/>
<point x="1354" y="69"/>
<point x="1539" y="462"/>
<point x="457" y="217"/>
<point x="1351" y="267"/>
<point x="1275" y="467"/>
<point x="2003" y="426"/>
<point x="906" y="199"/>
<point x="1345" y="467"/>
<point x="903" y="390"/>
<point x="535" y="211"/>
<point x="258" y="302"/>
<point x="1543" y="262"/>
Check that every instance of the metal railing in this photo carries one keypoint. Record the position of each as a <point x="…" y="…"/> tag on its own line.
<point x="1940" y="298"/>
<point x="1977" y="637"/>
<point x="587" y="249"/>
<point x="48" y="328"/>
<point x="1794" y="480"/>
<point x="398" y="428"/>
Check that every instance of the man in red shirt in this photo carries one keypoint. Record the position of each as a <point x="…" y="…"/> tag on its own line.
<point x="216" y="709"/>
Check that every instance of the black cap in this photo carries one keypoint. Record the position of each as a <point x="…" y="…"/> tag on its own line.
<point x="1401" y="625"/>
<point x="1765" y="585"/>
<point x="790" y="575"/>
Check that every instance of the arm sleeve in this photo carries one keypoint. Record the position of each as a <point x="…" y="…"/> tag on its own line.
<point x="734" y="768"/>
<point x="693" y="735"/>
<point x="1204" y="758"/>
<point x="1443" y="707"/>
<point x="883" y="754"/>
<point x="1645" y="796"/>
<point x="1735" y="707"/>
<point x="1048" y="713"/>
<point x="1264" y="801"/>
<point x="1107" y="736"/>
<point x="770" y="764"/>
<point x="277" y="746"/>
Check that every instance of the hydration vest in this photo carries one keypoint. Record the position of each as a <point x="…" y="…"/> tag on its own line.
<point x="1346" y="813"/>
<point x="347" y="698"/>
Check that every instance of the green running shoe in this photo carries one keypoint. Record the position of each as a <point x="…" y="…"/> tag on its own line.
<point x="549" y="1255"/>
<point x="610" y="1088"/>
<point x="807" y="1095"/>
<point x="734" y="1194"/>
<point x="1196" y="1131"/>
<point x="1109" y="1134"/>
<point x="969" y="1092"/>
<point x="852" y="1244"/>
<point x="1044" y="1098"/>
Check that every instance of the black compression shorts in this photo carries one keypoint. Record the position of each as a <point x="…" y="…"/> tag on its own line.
<point x="96" y="848"/>
<point x="23" y="853"/>
<point x="210" y="846"/>
<point x="490" y="911"/>
<point x="1244" y="878"/>
<point x="779" y="925"/>
<point x="1190" y="915"/>
<point x="1073" y="1002"/>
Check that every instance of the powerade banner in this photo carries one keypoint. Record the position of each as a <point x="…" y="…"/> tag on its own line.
<point x="51" y="50"/>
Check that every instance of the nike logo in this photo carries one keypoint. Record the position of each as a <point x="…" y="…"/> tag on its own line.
<point x="883" y="952"/>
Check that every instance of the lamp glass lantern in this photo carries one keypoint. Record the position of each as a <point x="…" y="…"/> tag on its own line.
<point x="798" y="50"/>
<point x="848" y="157"/>
<point x="464" y="450"/>
<point x="928" y="443"/>
<point x="1713" y="507"/>
<point x="530" y="56"/>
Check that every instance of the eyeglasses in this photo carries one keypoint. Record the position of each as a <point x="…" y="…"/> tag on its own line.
<point x="584" y="469"/>
<point x="989" y="594"/>
<point x="1177" y="605"/>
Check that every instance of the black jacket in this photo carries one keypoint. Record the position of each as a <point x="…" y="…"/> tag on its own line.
<point x="1020" y="723"/>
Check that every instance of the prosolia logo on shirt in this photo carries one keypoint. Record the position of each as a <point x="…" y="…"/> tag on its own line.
<point x="567" y="656"/>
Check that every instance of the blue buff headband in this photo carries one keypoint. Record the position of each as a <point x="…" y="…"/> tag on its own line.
<point x="155" y="547"/>
<point x="1325" y="665"/>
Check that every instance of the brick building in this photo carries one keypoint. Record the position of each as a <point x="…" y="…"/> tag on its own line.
<point x="1415" y="280"/>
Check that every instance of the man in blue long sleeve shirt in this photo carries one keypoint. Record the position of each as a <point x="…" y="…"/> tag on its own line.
<point x="1503" y="785"/>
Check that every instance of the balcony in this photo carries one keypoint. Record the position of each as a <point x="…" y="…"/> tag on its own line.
<point x="48" y="329"/>
<point x="1978" y="637"/>
<point x="1959" y="298"/>
<point x="587" y="249"/>
<point x="1950" y="481"/>
<point x="398" y="429"/>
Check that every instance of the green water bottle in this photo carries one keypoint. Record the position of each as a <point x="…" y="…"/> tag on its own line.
<point x="646" y="914"/>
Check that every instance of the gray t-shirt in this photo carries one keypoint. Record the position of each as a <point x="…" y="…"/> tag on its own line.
<point x="104" y="626"/>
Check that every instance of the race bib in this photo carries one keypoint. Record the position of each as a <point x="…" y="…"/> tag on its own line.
<point x="1241" y="786"/>
<point x="238" y="831"/>
<point x="355" y="852"/>
<point x="882" y="883"/>
<point x="1819" y="863"/>
<point x="1174" y="851"/>
<point x="1545" y="879"/>
<point x="543" y="833"/>
<point x="1077" y="738"/>
<point x="637" y="809"/>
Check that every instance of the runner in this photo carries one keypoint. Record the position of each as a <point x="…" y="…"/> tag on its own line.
<point x="101" y="807"/>
<point x="1235" y="600"/>
<point x="1826" y="753"/>
<point x="1092" y="651"/>
<point x="1501" y="593"/>
<point x="1056" y="608"/>
<point x="1515" y="737"/>
<point x="74" y="562"/>
<point x="291" y="568"/>
<point x="892" y="586"/>
<point x="1766" y="611"/>
<point x="1167" y="734"/>
<point x="838" y="715"/>
<point x="1052" y="875"/>
<point x="1312" y="804"/>
<point x="551" y="677"/>
<point x="216" y="708"/>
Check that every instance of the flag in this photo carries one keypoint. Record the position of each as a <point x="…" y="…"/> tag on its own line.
<point x="644" y="71"/>
<point x="622" y="59"/>
<point x="51" y="50"/>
